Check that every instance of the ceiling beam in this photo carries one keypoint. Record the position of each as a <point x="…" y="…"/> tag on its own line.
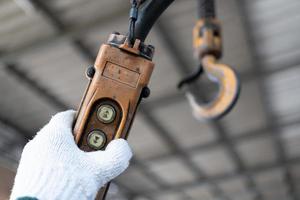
<point x="182" y="67"/>
<point x="14" y="70"/>
<point x="8" y="146"/>
<point x="228" y="176"/>
<point x="164" y="134"/>
<point x="61" y="27"/>
<point x="245" y="136"/>
<point x="272" y="120"/>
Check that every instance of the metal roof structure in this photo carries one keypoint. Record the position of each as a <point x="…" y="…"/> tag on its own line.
<point x="251" y="154"/>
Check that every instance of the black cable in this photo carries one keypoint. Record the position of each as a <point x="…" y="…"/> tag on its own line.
<point x="206" y="9"/>
<point x="133" y="15"/>
<point x="149" y="12"/>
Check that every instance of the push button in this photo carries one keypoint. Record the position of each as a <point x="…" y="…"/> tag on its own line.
<point x="106" y="113"/>
<point x="96" y="139"/>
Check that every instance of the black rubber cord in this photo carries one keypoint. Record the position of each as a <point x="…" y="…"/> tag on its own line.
<point x="206" y="9"/>
<point x="133" y="15"/>
<point x="149" y="12"/>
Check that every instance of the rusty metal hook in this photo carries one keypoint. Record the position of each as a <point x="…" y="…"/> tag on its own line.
<point x="229" y="89"/>
<point x="208" y="49"/>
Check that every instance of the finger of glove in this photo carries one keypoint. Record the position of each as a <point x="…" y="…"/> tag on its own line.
<point x="55" y="135"/>
<point x="59" y="123"/>
<point x="59" y="129"/>
<point x="113" y="161"/>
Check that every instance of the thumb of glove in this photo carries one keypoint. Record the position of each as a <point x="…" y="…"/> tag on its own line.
<point x="112" y="162"/>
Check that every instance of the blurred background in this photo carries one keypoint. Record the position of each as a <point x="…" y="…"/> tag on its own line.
<point x="253" y="153"/>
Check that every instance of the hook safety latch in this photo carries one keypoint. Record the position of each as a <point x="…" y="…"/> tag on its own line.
<point x="208" y="48"/>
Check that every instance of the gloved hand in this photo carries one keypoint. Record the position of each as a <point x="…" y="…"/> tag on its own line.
<point x="53" y="167"/>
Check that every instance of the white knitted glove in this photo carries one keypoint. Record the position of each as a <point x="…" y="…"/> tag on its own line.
<point x="53" y="167"/>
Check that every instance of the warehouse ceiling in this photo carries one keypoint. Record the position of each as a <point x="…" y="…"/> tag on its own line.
<point x="251" y="154"/>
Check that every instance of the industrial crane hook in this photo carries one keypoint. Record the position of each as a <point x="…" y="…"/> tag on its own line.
<point x="208" y="48"/>
<point x="229" y="89"/>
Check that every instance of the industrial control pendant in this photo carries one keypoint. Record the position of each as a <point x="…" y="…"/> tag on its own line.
<point x="118" y="82"/>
